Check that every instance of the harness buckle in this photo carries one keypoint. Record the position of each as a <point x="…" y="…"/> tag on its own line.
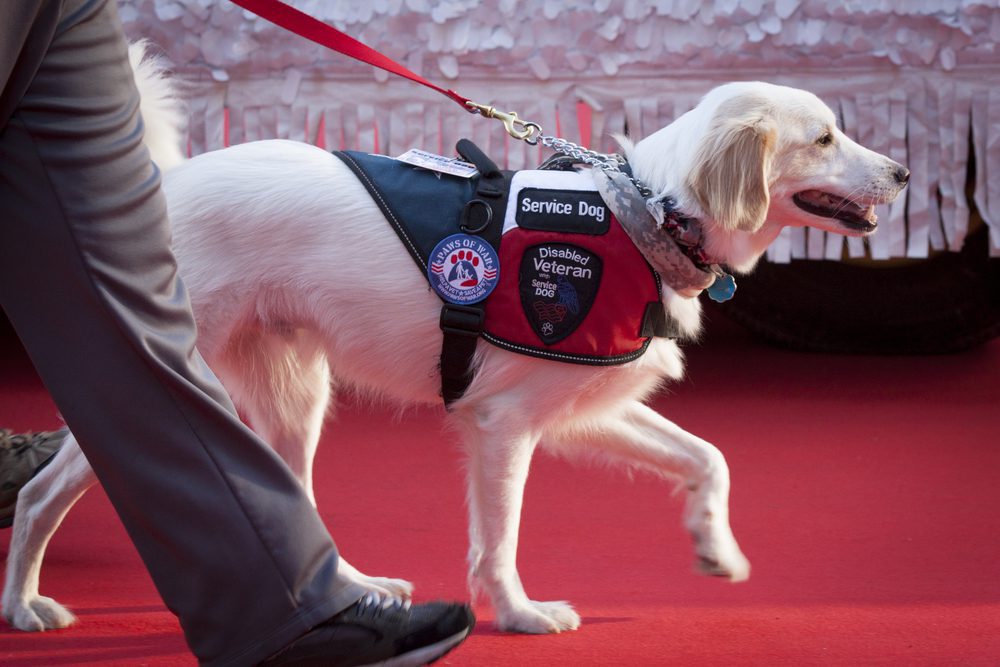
<point x="462" y="320"/>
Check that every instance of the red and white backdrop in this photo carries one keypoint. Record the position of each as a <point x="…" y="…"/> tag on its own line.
<point x="916" y="79"/>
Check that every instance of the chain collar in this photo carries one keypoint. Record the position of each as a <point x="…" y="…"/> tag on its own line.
<point x="677" y="256"/>
<point x="661" y="250"/>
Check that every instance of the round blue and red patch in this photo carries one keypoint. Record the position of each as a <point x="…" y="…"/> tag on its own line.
<point x="463" y="269"/>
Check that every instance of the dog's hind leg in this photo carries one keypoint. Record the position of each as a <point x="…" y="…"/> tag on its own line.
<point x="41" y="506"/>
<point x="280" y="382"/>
<point x="497" y="471"/>
<point x="642" y="438"/>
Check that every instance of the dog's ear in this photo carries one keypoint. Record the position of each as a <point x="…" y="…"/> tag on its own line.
<point x="731" y="169"/>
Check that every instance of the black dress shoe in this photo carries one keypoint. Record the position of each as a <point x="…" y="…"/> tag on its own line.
<point x="380" y="631"/>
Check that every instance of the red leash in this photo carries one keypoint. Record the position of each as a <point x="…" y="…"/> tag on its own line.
<point x="302" y="24"/>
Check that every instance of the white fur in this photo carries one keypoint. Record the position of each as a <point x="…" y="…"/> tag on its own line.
<point x="160" y="105"/>
<point x="297" y="286"/>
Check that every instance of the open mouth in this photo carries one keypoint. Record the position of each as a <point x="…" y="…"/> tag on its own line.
<point x="826" y="205"/>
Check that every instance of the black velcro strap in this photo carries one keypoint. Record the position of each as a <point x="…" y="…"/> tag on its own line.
<point x="656" y="322"/>
<point x="461" y="326"/>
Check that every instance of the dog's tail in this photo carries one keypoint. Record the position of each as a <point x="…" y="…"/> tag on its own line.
<point x="163" y="112"/>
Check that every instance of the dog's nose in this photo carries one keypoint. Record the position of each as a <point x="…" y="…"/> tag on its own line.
<point x="902" y="175"/>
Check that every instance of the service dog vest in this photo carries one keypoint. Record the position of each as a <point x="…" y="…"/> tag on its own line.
<point x="571" y="286"/>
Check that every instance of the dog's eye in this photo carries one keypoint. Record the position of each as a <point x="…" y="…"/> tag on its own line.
<point x="826" y="139"/>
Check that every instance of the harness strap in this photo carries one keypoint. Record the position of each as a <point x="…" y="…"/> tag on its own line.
<point x="462" y="325"/>
<point x="484" y="215"/>
<point x="657" y="324"/>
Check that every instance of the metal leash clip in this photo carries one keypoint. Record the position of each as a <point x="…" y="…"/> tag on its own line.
<point x="517" y="128"/>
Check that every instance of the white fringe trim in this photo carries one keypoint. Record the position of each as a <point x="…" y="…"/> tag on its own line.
<point x="923" y="119"/>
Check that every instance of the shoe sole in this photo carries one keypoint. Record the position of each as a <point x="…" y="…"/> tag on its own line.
<point x="425" y="655"/>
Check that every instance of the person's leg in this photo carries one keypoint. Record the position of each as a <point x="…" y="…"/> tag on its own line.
<point x="87" y="278"/>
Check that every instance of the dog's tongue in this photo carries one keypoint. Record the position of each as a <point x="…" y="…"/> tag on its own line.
<point x="833" y="206"/>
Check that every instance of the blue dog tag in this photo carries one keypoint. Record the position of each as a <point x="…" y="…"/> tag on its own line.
<point x="722" y="289"/>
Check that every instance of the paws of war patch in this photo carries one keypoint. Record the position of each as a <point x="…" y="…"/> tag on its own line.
<point x="463" y="269"/>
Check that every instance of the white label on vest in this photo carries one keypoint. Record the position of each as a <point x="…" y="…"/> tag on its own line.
<point x="439" y="163"/>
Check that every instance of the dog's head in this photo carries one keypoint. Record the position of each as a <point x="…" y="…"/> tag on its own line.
<point x="754" y="157"/>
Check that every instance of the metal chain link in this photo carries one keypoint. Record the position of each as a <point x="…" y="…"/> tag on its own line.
<point x="531" y="133"/>
<point x="605" y="161"/>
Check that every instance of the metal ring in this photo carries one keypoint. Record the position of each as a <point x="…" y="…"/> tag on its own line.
<point x="465" y="215"/>
<point x="532" y="133"/>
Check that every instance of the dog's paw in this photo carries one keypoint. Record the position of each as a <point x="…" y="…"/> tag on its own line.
<point x="39" y="614"/>
<point x="721" y="560"/>
<point x="397" y="588"/>
<point x="561" y="612"/>
<point x="736" y="571"/>
<point x="716" y="552"/>
<point x="539" y="618"/>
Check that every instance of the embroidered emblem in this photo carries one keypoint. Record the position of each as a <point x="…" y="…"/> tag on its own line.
<point x="463" y="269"/>
<point x="558" y="284"/>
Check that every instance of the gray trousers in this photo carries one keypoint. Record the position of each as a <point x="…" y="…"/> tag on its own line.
<point x="89" y="282"/>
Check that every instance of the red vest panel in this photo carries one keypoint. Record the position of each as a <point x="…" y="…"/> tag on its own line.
<point x="573" y="286"/>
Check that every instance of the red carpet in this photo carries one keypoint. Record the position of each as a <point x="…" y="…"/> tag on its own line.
<point x="864" y="494"/>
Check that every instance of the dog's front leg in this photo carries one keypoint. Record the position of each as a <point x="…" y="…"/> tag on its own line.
<point x="641" y="437"/>
<point x="498" y="470"/>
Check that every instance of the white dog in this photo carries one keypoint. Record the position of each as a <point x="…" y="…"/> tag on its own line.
<point x="267" y="237"/>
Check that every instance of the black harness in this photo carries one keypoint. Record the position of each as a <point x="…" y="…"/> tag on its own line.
<point x="418" y="204"/>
